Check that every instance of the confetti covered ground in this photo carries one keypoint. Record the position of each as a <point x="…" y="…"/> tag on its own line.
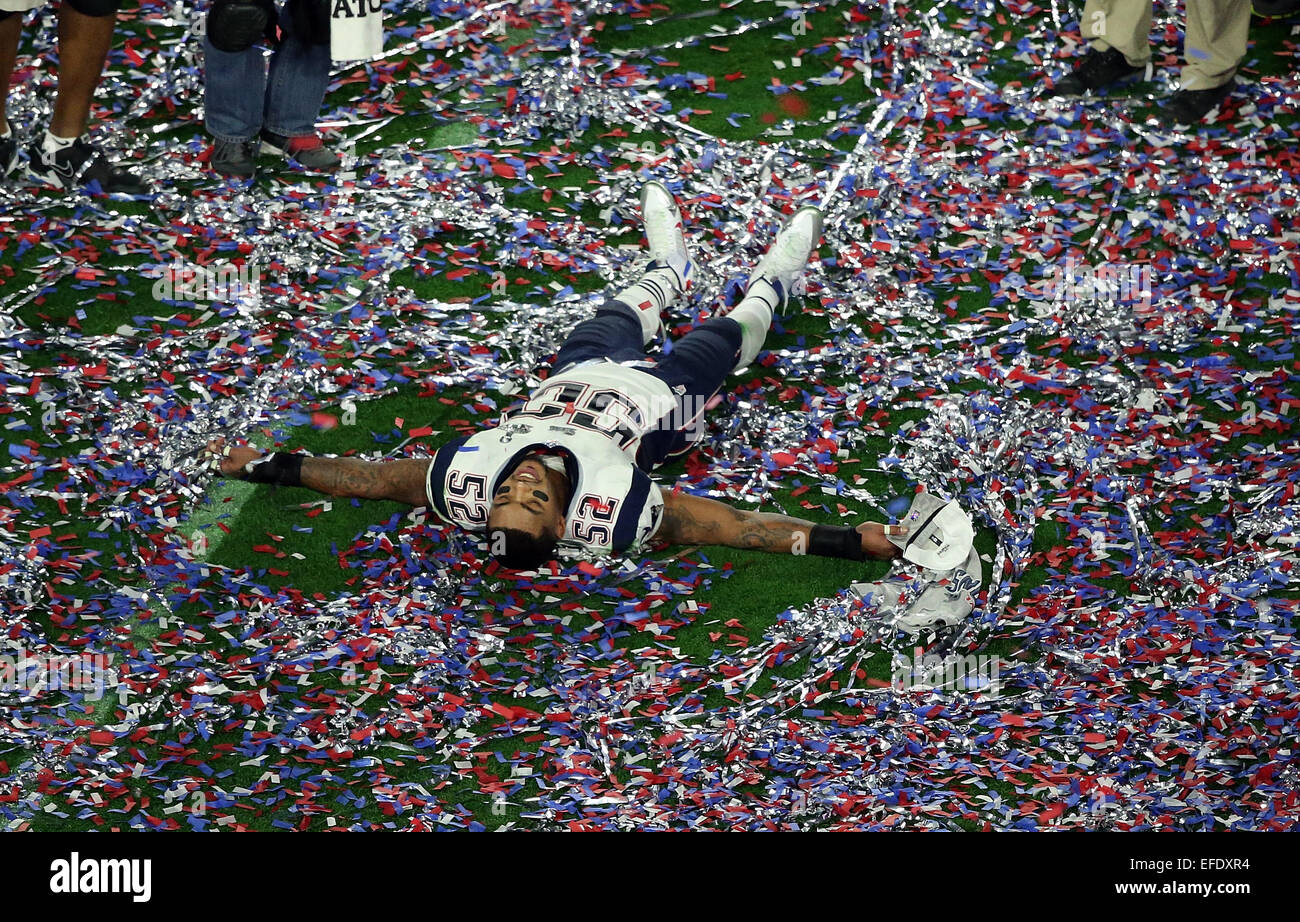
<point x="1081" y="325"/>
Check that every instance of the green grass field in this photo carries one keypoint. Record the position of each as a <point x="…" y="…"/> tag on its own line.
<point x="284" y="662"/>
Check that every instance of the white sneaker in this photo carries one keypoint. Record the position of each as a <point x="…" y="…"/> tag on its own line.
<point x="666" y="243"/>
<point x="785" y="260"/>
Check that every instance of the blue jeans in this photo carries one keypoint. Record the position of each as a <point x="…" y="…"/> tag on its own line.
<point x="241" y="98"/>
<point x="694" y="369"/>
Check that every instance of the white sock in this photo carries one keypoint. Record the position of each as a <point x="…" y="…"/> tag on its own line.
<point x="653" y="292"/>
<point x="52" y="143"/>
<point x="677" y="263"/>
<point x="754" y="314"/>
<point x="4" y="129"/>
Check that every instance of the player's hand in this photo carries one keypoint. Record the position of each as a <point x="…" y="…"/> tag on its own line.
<point x="232" y="457"/>
<point x="875" y="544"/>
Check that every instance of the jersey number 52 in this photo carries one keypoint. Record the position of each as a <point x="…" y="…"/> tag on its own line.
<point x="466" y="498"/>
<point x="593" y="521"/>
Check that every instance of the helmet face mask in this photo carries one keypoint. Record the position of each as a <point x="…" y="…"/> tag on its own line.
<point x="237" y="25"/>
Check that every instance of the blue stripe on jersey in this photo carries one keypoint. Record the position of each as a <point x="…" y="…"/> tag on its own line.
<point x="626" y="526"/>
<point x="438" y="475"/>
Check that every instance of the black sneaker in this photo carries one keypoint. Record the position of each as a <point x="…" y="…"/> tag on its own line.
<point x="1095" y="70"/>
<point x="8" y="152"/>
<point x="305" y="150"/>
<point x="234" y="159"/>
<point x="1190" y="107"/>
<point x="1276" y="8"/>
<point x="80" y="165"/>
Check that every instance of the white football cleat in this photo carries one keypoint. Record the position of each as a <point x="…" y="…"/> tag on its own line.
<point x="785" y="260"/>
<point x="666" y="243"/>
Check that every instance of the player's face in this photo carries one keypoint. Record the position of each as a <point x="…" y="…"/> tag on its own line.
<point x="530" y="499"/>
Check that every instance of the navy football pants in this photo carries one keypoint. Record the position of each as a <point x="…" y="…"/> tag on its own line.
<point x="694" y="369"/>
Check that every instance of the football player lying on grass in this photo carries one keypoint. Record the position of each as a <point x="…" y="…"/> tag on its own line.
<point x="570" y="464"/>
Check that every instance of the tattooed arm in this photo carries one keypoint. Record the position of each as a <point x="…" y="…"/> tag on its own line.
<point x="401" y="481"/>
<point x="696" y="520"/>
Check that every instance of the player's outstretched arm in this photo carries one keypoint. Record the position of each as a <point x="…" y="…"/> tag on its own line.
<point x="401" y="481"/>
<point x="696" y="520"/>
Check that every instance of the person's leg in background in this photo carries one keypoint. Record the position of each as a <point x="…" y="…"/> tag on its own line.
<point x="62" y="157"/>
<point x="234" y="85"/>
<point x="295" y="90"/>
<point x="85" y="35"/>
<point x="1118" y="33"/>
<point x="11" y="30"/>
<point x="1213" y="46"/>
<point x="1124" y="25"/>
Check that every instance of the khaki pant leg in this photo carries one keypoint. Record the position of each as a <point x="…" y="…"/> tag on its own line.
<point x="1215" y="43"/>
<point x="1122" y="24"/>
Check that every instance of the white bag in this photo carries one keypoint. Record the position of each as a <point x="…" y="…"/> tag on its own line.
<point x="356" y="30"/>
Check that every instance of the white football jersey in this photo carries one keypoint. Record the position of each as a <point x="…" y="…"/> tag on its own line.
<point x="596" y="413"/>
